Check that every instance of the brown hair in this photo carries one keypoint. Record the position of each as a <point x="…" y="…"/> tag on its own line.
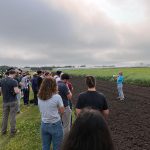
<point x="12" y="72"/>
<point x="90" y="81"/>
<point x="47" y="74"/>
<point x="47" y="88"/>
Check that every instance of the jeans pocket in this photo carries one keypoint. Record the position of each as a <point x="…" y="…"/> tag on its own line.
<point x="57" y="127"/>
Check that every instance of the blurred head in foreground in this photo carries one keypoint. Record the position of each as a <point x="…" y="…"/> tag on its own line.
<point x="89" y="132"/>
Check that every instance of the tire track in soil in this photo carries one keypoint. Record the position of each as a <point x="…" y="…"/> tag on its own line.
<point x="129" y="121"/>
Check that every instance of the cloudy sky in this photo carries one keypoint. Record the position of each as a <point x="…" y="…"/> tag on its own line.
<point x="74" y="32"/>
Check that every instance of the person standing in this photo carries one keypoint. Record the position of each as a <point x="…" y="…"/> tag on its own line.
<point x="35" y="87"/>
<point x="39" y="78"/>
<point x="57" y="76"/>
<point x="26" y="88"/>
<point x="50" y="105"/>
<point x="92" y="99"/>
<point x="9" y="89"/>
<point x="120" y="80"/>
<point x="69" y="84"/>
<point x="66" y="96"/>
<point x="18" y="79"/>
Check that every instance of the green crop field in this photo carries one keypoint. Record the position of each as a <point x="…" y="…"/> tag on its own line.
<point x="28" y="121"/>
<point x="138" y="76"/>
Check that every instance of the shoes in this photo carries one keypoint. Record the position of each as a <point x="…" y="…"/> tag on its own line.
<point x="12" y="134"/>
<point x="4" y="133"/>
<point x="122" y="99"/>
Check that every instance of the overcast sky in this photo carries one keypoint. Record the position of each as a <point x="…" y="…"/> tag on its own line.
<point x="74" y="32"/>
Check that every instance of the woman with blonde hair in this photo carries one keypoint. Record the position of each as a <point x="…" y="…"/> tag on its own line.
<point x="50" y="105"/>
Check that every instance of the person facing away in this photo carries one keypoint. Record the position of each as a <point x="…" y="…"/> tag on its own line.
<point x="25" y="83"/>
<point x="51" y="106"/>
<point x="57" y="76"/>
<point x="70" y="86"/>
<point x="91" y="98"/>
<point x="18" y="78"/>
<point x="9" y="89"/>
<point x="35" y="87"/>
<point x="39" y="78"/>
<point x="120" y="80"/>
<point x="66" y="95"/>
<point x="89" y="132"/>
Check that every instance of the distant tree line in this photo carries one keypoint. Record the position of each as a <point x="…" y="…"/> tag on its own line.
<point x="49" y="68"/>
<point x="5" y="68"/>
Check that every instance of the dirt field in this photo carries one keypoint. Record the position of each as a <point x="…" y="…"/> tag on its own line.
<point x="129" y="121"/>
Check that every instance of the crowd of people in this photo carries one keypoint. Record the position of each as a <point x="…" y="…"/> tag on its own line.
<point x="53" y="95"/>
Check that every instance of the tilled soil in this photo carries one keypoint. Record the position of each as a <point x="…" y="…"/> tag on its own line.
<point x="129" y="120"/>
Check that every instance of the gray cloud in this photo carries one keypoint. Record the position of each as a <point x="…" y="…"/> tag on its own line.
<point x="34" y="32"/>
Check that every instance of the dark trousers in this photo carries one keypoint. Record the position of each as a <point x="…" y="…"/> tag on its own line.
<point x="9" y="108"/>
<point x="26" y="96"/>
<point x="35" y="97"/>
<point x="70" y="104"/>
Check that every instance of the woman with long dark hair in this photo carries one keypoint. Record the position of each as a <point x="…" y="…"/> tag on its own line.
<point x="89" y="132"/>
<point x="50" y="105"/>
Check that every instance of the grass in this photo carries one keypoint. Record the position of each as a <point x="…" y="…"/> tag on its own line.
<point x="137" y="76"/>
<point x="28" y="124"/>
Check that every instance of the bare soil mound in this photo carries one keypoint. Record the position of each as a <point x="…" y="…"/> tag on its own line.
<point x="129" y="120"/>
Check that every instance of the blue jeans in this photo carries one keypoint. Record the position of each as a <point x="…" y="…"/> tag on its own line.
<point x="120" y="91"/>
<point x="18" y="99"/>
<point x="51" y="132"/>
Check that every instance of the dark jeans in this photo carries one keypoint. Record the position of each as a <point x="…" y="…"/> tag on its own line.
<point x="35" y="97"/>
<point x="70" y="104"/>
<point x="9" y="108"/>
<point x="26" y="96"/>
<point x="51" y="132"/>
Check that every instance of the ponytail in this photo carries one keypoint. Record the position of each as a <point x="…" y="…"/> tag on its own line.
<point x="90" y="81"/>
